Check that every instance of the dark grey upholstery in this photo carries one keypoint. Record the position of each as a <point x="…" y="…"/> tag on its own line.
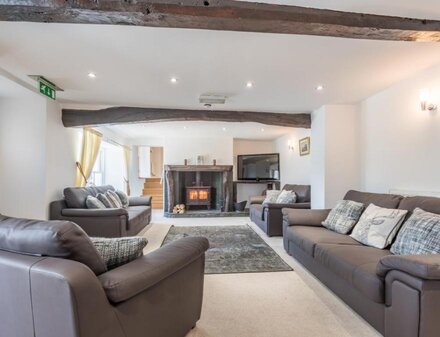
<point x="109" y="222"/>
<point x="398" y="295"/>
<point x="157" y="295"/>
<point x="269" y="217"/>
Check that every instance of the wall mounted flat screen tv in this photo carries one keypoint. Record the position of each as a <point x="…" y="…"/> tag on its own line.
<point x="258" y="167"/>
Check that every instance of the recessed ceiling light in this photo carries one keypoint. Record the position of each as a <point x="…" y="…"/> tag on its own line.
<point x="249" y="85"/>
<point x="173" y="80"/>
<point x="91" y="75"/>
<point x="185" y="128"/>
<point x="224" y="129"/>
<point x="262" y="129"/>
<point x="319" y="87"/>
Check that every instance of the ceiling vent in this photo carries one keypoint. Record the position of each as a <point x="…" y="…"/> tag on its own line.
<point x="212" y="99"/>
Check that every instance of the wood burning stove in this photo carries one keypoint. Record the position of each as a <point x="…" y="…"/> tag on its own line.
<point x="198" y="196"/>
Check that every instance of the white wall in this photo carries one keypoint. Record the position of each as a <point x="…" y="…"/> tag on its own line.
<point x="400" y="144"/>
<point x="294" y="169"/>
<point x="37" y="154"/>
<point x="176" y="150"/>
<point x="335" y="153"/>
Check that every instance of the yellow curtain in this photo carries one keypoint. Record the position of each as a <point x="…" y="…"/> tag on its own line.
<point x="91" y="143"/>
<point x="127" y="169"/>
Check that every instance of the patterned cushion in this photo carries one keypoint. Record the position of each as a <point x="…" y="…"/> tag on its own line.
<point x="104" y="199"/>
<point x="94" y="203"/>
<point x="123" y="197"/>
<point x="344" y="216"/>
<point x="420" y="234"/>
<point x="378" y="226"/>
<point x="118" y="251"/>
<point x="286" y="197"/>
<point x="271" y="196"/>
<point x="114" y="199"/>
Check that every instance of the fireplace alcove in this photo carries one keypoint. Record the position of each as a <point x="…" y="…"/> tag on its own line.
<point x="199" y="187"/>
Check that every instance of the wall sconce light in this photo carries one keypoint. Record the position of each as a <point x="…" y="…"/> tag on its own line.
<point x="425" y="100"/>
<point x="290" y="146"/>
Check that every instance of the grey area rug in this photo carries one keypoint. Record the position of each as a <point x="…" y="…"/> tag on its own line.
<point x="233" y="249"/>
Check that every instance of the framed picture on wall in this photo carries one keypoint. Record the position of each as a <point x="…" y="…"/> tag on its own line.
<point x="304" y="146"/>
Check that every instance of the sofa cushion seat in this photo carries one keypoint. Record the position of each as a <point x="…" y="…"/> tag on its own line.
<point x="138" y="216"/>
<point x="356" y="264"/>
<point x="307" y="237"/>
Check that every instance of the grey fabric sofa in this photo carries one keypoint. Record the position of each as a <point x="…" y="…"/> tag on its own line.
<point x="47" y="292"/>
<point x="269" y="216"/>
<point x="397" y="295"/>
<point x="111" y="222"/>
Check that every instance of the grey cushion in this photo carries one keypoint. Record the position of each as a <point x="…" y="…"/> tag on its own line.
<point x="307" y="237"/>
<point x="104" y="199"/>
<point x="356" y="264"/>
<point x="118" y="251"/>
<point x="271" y="196"/>
<point x="94" y="203"/>
<point x="114" y="199"/>
<point x="123" y="197"/>
<point x="76" y="196"/>
<point x="286" y="197"/>
<point x="344" y="216"/>
<point x="420" y="234"/>
<point x="379" y="199"/>
<point x="60" y="239"/>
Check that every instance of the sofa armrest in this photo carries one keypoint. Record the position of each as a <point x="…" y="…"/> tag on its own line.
<point x="127" y="281"/>
<point x="257" y="200"/>
<point x="278" y="206"/>
<point x="80" y="212"/>
<point x="140" y="201"/>
<point x="305" y="217"/>
<point x="423" y="266"/>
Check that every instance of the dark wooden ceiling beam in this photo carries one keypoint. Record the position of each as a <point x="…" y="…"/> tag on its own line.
<point x="123" y="115"/>
<point x="223" y="15"/>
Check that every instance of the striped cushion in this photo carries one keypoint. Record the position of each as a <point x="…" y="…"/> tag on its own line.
<point x="420" y="234"/>
<point x="118" y="251"/>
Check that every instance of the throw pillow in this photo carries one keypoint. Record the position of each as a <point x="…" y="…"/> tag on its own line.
<point x="286" y="197"/>
<point x="118" y="251"/>
<point x="123" y="197"/>
<point x="94" y="203"/>
<point x="271" y="196"/>
<point x="344" y="216"/>
<point x="420" y="234"/>
<point x="103" y="198"/>
<point x="114" y="199"/>
<point x="378" y="226"/>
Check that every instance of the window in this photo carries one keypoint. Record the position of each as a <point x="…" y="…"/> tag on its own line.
<point x="109" y="167"/>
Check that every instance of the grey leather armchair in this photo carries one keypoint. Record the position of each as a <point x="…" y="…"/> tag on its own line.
<point x="66" y="291"/>
<point x="110" y="222"/>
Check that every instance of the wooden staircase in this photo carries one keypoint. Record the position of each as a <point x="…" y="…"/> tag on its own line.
<point x="154" y="187"/>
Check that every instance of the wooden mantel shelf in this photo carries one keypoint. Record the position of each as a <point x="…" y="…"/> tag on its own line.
<point x="198" y="168"/>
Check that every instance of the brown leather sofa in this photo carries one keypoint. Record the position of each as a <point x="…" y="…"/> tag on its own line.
<point x="110" y="222"/>
<point x="53" y="283"/>
<point x="397" y="295"/>
<point x="269" y="216"/>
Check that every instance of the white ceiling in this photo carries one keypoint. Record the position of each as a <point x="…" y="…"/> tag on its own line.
<point x="199" y="129"/>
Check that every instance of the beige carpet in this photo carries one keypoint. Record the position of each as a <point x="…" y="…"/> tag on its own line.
<point x="265" y="304"/>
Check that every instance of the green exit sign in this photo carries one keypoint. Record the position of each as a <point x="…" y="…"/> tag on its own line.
<point x="47" y="90"/>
